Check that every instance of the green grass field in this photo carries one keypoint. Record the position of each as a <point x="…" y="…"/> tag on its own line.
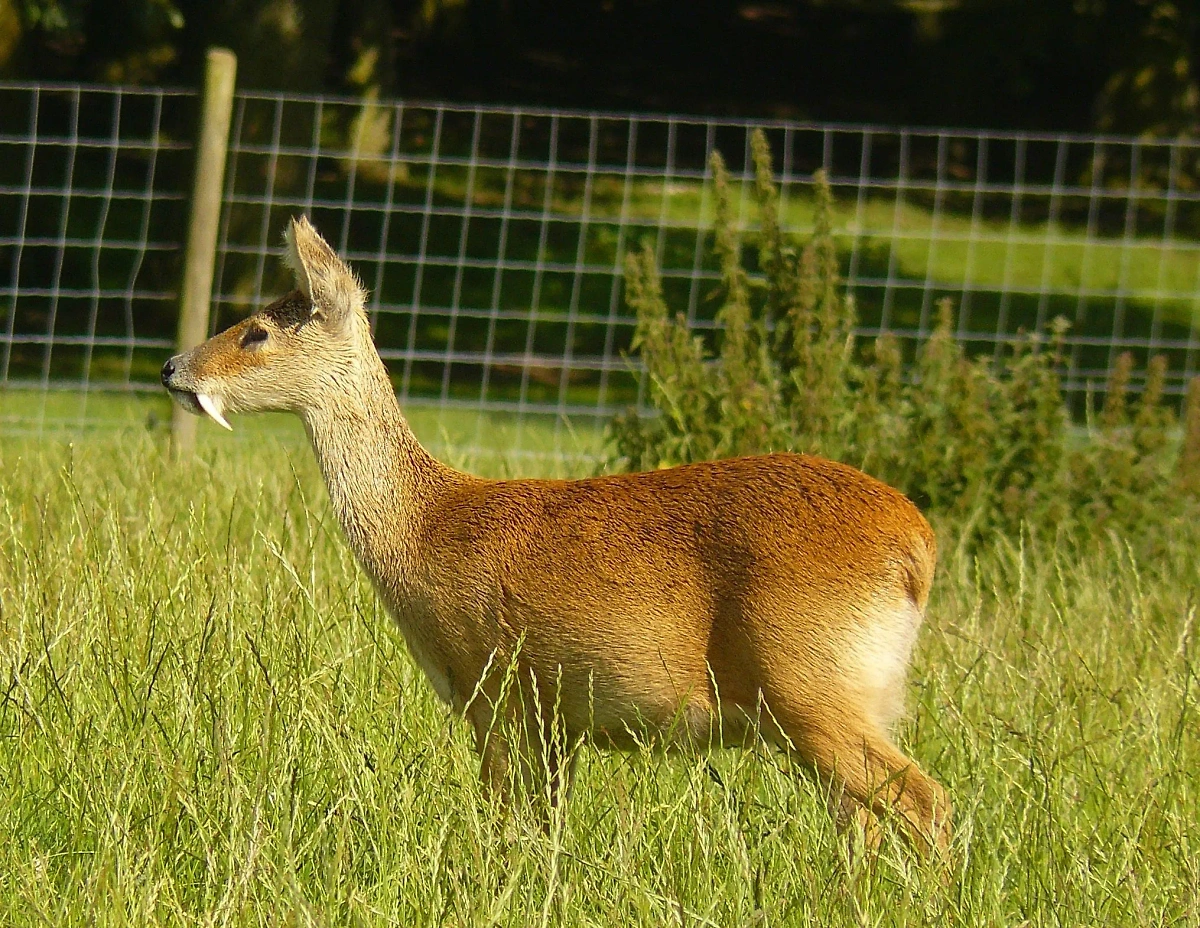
<point x="206" y="719"/>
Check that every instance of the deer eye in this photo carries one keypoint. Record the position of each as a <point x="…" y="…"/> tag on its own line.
<point x="254" y="336"/>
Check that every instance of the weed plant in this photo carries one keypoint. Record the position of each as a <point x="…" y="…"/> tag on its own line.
<point x="983" y="444"/>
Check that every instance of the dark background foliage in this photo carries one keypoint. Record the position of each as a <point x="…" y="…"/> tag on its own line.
<point x="1114" y="65"/>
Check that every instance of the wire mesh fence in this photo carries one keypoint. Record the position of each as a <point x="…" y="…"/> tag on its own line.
<point x="492" y="239"/>
<point x="92" y="210"/>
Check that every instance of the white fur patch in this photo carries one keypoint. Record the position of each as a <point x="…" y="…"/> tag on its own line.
<point x="879" y="658"/>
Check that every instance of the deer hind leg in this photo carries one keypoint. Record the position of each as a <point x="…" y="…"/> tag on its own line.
<point x="877" y="779"/>
<point x="870" y="777"/>
<point x="853" y="818"/>
<point x="851" y="743"/>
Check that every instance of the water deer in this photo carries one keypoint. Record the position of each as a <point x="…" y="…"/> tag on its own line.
<point x="776" y="596"/>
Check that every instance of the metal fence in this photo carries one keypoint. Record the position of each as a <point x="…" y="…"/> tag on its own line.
<point x="492" y="238"/>
<point x="92" y="212"/>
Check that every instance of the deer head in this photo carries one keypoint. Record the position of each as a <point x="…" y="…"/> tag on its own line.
<point x="294" y="355"/>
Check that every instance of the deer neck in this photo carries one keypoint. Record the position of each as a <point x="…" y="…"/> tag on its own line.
<point x="381" y="482"/>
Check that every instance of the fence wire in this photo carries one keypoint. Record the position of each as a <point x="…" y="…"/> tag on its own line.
<point x="492" y="239"/>
<point x="91" y="216"/>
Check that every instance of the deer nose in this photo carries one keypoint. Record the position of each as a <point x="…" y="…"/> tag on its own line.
<point x="167" y="370"/>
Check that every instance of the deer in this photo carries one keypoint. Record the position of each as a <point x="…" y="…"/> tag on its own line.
<point x="770" y="598"/>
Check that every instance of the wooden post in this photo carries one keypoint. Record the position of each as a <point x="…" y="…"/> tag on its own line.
<point x="196" y="289"/>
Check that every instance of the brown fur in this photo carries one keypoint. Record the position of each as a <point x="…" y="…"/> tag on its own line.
<point x="776" y="595"/>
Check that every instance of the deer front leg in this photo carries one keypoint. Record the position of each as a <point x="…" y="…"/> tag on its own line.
<point x="548" y="755"/>
<point x="493" y="745"/>
<point x="521" y="751"/>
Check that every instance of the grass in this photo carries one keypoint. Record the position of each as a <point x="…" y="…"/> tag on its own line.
<point x="1031" y="253"/>
<point x="501" y="443"/>
<point x="206" y="719"/>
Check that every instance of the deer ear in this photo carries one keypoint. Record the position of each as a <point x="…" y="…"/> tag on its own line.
<point x="321" y="275"/>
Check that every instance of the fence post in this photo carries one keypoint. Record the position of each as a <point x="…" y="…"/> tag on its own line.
<point x="196" y="288"/>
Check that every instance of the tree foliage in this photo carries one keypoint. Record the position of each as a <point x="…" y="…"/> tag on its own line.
<point x="1117" y="65"/>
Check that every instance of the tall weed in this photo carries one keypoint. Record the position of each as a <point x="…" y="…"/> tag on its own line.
<point x="985" y="444"/>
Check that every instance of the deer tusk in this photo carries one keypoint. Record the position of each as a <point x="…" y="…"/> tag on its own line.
<point x="212" y="406"/>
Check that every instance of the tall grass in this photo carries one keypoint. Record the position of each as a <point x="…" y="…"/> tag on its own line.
<point x="206" y="719"/>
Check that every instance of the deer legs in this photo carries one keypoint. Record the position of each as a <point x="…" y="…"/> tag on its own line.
<point x="524" y="750"/>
